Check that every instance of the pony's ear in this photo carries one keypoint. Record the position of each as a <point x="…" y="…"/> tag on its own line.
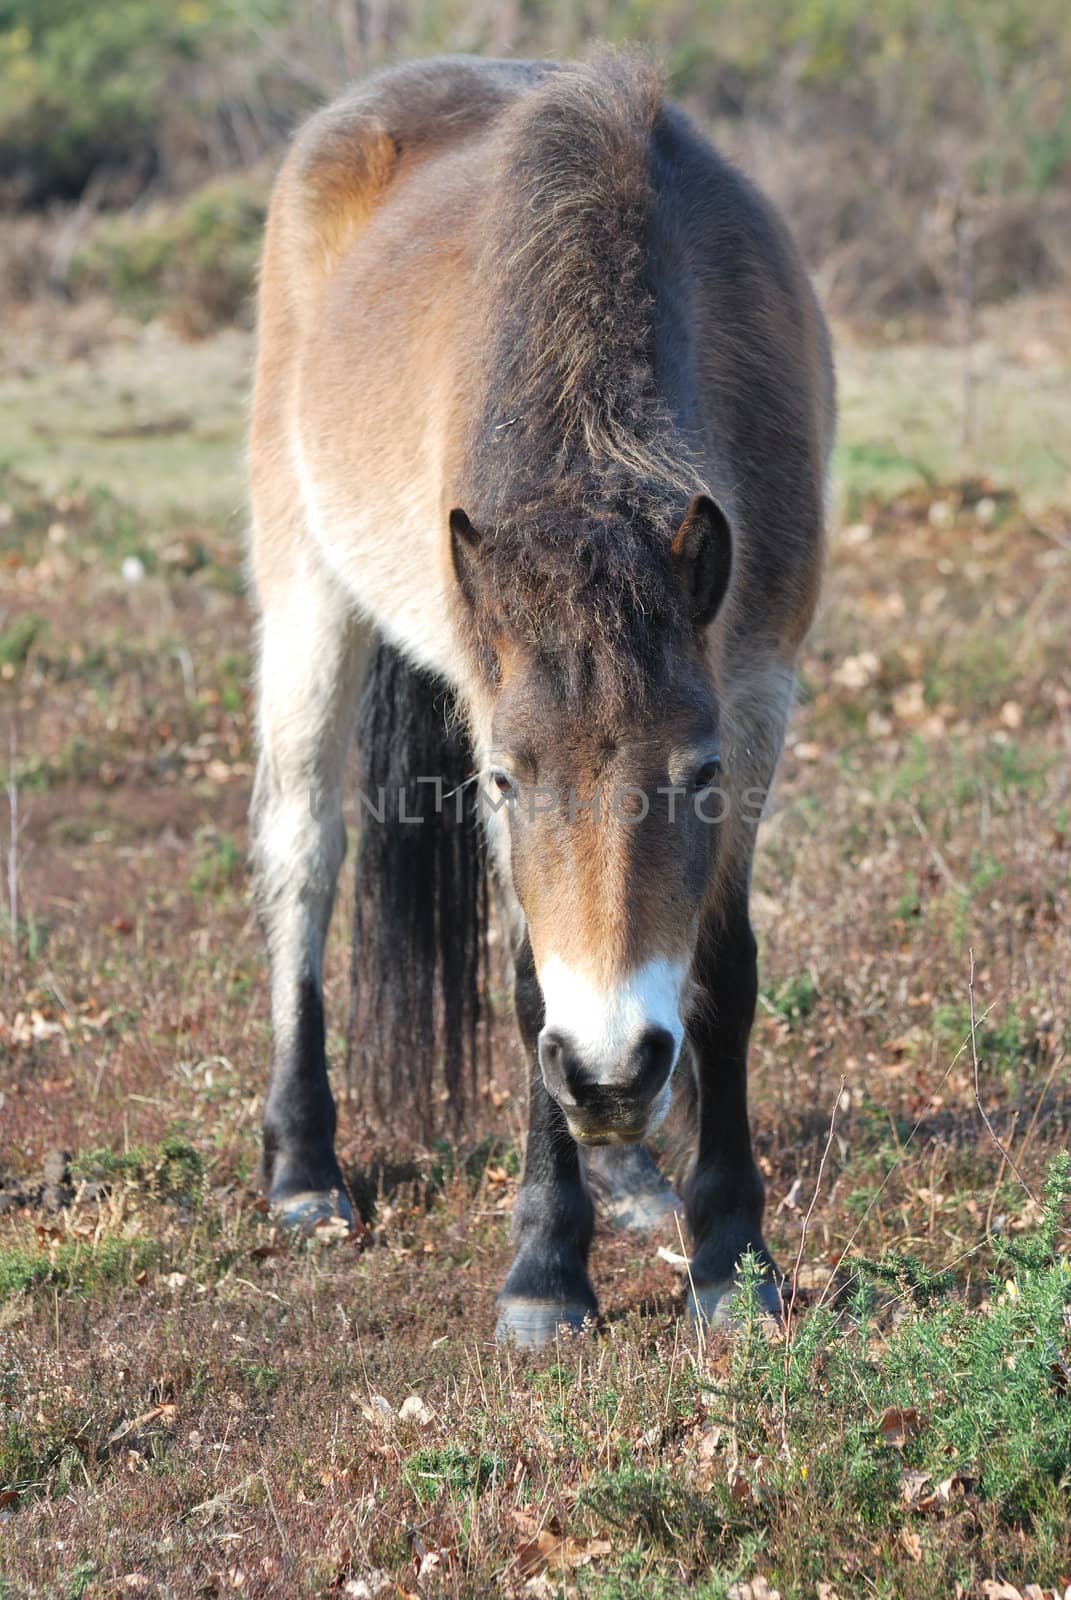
<point x="464" y="550"/>
<point x="702" y="552"/>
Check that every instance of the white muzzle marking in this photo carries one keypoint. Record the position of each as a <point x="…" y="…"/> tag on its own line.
<point x="604" y="1025"/>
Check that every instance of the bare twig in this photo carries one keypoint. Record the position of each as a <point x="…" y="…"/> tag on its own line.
<point x="75" y="225"/>
<point x="284" y="1541"/>
<point x="700" y="1331"/>
<point x="791" y="1308"/>
<point x="810" y="1209"/>
<point x="963" y="226"/>
<point x="978" y="1094"/>
<point x="897" y="1164"/>
<point x="15" y="824"/>
<point x="935" y="850"/>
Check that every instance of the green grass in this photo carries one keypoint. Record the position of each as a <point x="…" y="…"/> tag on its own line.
<point x="19" y="637"/>
<point x="76" y="1265"/>
<point x="173" y="1168"/>
<point x="792" y="1000"/>
<point x="450" y="1470"/>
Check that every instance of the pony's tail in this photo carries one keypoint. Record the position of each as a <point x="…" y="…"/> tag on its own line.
<point x="418" y="961"/>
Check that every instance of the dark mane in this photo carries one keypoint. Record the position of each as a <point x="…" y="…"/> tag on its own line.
<point x="578" y="477"/>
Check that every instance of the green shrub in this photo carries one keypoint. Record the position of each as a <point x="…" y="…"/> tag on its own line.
<point x="196" y="261"/>
<point x="95" y="87"/>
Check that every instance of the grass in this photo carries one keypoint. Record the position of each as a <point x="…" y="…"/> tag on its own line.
<point x="190" y="1405"/>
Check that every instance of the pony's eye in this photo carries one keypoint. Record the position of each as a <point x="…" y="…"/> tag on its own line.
<point x="708" y="774"/>
<point x="503" y="783"/>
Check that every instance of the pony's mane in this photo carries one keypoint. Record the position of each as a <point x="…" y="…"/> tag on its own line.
<point x="581" y="475"/>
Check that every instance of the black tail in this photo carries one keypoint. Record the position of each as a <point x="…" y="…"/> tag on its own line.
<point x="418" y="961"/>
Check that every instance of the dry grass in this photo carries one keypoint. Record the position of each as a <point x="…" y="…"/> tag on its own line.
<point x="190" y="1407"/>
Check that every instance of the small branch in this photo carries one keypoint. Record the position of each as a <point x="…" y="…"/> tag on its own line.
<point x="790" y="1312"/>
<point x="978" y="1093"/>
<point x="963" y="228"/>
<point x="938" y="859"/>
<point x="15" y="825"/>
<point x="700" y="1331"/>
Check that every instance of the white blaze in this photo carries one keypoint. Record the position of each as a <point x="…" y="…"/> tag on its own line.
<point x="605" y="1024"/>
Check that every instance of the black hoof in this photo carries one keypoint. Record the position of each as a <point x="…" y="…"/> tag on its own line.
<point x="325" y="1211"/>
<point x="532" y="1324"/>
<point x="717" y="1305"/>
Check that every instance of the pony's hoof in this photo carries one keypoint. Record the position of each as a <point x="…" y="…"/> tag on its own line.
<point x="717" y="1305"/>
<point x="320" y="1211"/>
<point x="531" y="1324"/>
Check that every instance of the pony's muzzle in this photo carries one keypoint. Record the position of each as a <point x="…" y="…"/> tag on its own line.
<point x="616" y="1106"/>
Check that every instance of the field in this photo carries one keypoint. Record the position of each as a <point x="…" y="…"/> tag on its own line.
<point x="191" y="1406"/>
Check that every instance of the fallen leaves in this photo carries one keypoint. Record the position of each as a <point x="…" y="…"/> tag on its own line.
<point x="916" y="1492"/>
<point x="414" y="1409"/>
<point x="753" y="1589"/>
<point x="165" y="1414"/>
<point x="997" y="1589"/>
<point x="545" y="1545"/>
<point x="899" y="1425"/>
<point x="857" y="672"/>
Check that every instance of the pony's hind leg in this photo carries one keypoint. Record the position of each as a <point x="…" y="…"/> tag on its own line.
<point x="553" y="1220"/>
<point x="312" y="655"/>
<point x="630" y="1190"/>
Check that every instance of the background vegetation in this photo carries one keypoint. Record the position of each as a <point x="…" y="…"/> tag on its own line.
<point x="896" y="136"/>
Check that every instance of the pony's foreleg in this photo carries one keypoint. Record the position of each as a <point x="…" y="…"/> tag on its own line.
<point x="553" y="1220"/>
<point x="311" y="660"/>
<point x="724" y="1193"/>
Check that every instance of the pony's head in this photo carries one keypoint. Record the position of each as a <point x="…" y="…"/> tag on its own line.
<point x="603" y="768"/>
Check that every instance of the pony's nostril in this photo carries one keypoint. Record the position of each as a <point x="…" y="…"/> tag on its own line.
<point x="552" y="1061"/>
<point x="653" y="1060"/>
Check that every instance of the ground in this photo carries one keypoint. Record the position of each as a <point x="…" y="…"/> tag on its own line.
<point x="191" y="1406"/>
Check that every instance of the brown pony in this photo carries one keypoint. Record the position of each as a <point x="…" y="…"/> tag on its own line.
<point x="544" y="402"/>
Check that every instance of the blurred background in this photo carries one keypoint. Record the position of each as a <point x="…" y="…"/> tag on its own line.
<point x="137" y="136"/>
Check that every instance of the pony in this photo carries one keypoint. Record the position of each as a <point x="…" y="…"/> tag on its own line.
<point x="542" y="417"/>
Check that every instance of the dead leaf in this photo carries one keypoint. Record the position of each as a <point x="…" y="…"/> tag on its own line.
<point x="331" y="1230"/>
<point x="755" y="1588"/>
<point x="857" y="672"/>
<point x="913" y="1488"/>
<point x="414" y="1409"/>
<point x="378" y="1410"/>
<point x="432" y="1561"/>
<point x="162" y="1413"/>
<point x="368" y="1587"/>
<point x="910" y="702"/>
<point x="899" y="1425"/>
<point x="997" y="1589"/>
<point x="739" y="1489"/>
<point x="546" y="1546"/>
<point x="911" y="1543"/>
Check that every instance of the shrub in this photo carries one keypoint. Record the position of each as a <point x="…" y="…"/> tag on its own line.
<point x="197" y="261"/>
